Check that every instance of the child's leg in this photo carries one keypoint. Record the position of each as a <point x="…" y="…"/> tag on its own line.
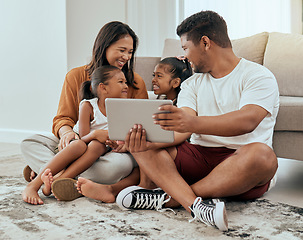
<point x="61" y="160"/>
<point x="94" y="150"/>
<point x="107" y="193"/>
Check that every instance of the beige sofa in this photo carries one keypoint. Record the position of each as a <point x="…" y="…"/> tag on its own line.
<point x="283" y="55"/>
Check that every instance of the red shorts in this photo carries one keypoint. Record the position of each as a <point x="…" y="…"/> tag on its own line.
<point x="195" y="162"/>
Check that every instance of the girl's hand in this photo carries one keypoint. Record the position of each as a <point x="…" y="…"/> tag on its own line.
<point x="115" y="146"/>
<point x="120" y="149"/>
<point x="112" y="144"/>
<point x="66" y="139"/>
<point x="99" y="135"/>
<point x="181" y="57"/>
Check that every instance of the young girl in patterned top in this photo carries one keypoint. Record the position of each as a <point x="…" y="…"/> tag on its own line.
<point x="168" y="75"/>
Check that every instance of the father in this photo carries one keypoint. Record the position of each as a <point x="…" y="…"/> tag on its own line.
<point x="230" y="105"/>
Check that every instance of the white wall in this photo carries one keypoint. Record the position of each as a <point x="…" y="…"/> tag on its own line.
<point x="249" y="17"/>
<point x="153" y="21"/>
<point x="84" y="19"/>
<point x="32" y="63"/>
<point x="41" y="40"/>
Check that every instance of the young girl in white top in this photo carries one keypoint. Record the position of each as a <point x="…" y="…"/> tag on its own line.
<point x="106" y="82"/>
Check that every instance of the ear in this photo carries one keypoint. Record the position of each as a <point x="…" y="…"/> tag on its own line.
<point x="176" y="82"/>
<point x="205" y="42"/>
<point x="102" y="87"/>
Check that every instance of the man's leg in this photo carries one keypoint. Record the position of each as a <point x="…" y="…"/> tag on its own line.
<point x="160" y="168"/>
<point x="164" y="173"/>
<point x="250" y="166"/>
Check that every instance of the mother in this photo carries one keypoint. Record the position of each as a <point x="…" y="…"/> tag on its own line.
<point x="116" y="44"/>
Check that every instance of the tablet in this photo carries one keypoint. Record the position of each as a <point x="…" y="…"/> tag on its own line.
<point x="123" y="114"/>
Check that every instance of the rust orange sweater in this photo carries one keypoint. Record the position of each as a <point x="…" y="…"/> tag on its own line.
<point x="68" y="109"/>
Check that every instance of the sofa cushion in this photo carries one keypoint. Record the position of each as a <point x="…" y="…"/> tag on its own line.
<point x="284" y="57"/>
<point x="145" y="66"/>
<point x="290" y="114"/>
<point x="251" y="48"/>
<point x="172" y="48"/>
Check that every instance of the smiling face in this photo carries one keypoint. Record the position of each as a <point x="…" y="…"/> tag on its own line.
<point x="163" y="83"/>
<point x="196" y="55"/>
<point x="116" y="87"/>
<point x="120" y="52"/>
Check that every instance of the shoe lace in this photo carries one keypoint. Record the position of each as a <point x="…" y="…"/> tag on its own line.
<point x="203" y="212"/>
<point x="152" y="201"/>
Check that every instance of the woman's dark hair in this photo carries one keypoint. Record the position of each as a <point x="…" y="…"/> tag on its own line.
<point x="177" y="68"/>
<point x="109" y="34"/>
<point x="205" y="23"/>
<point x="100" y="75"/>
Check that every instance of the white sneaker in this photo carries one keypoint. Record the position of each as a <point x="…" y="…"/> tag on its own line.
<point x="272" y="182"/>
<point x="212" y="212"/>
<point x="135" y="198"/>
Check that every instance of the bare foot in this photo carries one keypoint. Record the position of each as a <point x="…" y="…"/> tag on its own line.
<point x="30" y="194"/>
<point x="95" y="191"/>
<point x="47" y="179"/>
<point x="33" y="175"/>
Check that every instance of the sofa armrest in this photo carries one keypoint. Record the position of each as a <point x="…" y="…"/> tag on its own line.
<point x="145" y="66"/>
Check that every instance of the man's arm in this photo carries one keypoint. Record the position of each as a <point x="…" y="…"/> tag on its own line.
<point x="230" y="124"/>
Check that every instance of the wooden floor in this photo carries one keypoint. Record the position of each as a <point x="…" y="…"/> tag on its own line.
<point x="288" y="189"/>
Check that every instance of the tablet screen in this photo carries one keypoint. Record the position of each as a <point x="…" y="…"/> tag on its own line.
<point x="123" y="114"/>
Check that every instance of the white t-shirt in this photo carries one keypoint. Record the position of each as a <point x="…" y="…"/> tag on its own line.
<point x="99" y="121"/>
<point x="248" y="83"/>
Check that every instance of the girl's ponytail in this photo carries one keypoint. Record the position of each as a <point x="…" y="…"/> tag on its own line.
<point x="100" y="75"/>
<point x="86" y="92"/>
<point x="187" y="71"/>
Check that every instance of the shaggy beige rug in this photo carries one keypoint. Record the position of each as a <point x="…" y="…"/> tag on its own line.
<point x="88" y="219"/>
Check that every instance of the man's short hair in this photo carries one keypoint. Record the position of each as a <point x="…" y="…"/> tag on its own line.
<point x="205" y="23"/>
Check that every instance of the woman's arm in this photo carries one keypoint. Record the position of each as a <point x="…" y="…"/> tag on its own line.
<point x="66" y="134"/>
<point x="67" y="113"/>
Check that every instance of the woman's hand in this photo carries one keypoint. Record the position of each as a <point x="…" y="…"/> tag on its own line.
<point x="66" y="139"/>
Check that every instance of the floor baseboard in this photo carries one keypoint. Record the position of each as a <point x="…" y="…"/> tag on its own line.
<point x="17" y="135"/>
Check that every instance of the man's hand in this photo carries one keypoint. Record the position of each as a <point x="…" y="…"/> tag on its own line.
<point x="176" y="119"/>
<point x="135" y="140"/>
<point x="66" y="138"/>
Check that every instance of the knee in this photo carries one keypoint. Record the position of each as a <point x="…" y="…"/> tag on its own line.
<point x="24" y="145"/>
<point x="142" y="157"/>
<point x="79" y="146"/>
<point x="27" y="144"/>
<point x="263" y="157"/>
